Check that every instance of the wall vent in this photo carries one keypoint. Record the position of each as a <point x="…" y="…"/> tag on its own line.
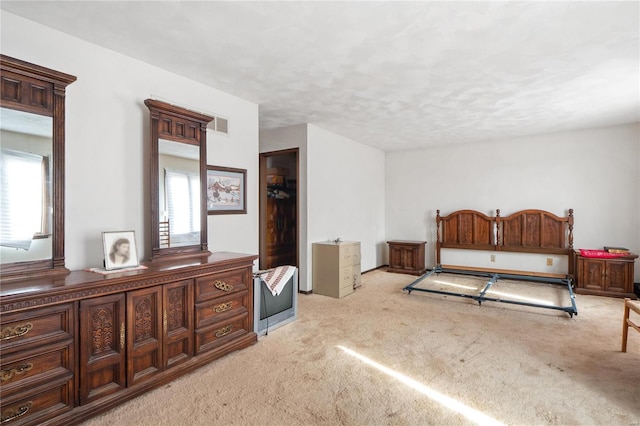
<point x="222" y="125"/>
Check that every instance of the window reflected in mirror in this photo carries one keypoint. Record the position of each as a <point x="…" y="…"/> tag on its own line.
<point x="179" y="195"/>
<point x="25" y="186"/>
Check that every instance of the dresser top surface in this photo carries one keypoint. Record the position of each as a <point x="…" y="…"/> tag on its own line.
<point x="75" y="280"/>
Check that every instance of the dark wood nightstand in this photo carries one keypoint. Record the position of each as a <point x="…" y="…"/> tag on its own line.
<point x="406" y="257"/>
<point x="605" y="277"/>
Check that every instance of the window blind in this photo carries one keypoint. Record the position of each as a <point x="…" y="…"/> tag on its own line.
<point x="22" y="197"/>
<point x="183" y="201"/>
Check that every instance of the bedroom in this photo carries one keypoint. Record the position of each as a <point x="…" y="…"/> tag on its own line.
<point x="581" y="165"/>
<point x="384" y="195"/>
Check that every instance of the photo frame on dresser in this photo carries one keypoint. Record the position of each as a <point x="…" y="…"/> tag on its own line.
<point x="226" y="190"/>
<point x="119" y="250"/>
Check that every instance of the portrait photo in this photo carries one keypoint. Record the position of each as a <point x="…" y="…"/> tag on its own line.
<point x="119" y="250"/>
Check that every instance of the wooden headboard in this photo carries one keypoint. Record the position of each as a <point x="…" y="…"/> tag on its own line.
<point x="526" y="231"/>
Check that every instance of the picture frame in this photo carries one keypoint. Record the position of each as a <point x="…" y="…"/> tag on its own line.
<point x="120" y="250"/>
<point x="226" y="190"/>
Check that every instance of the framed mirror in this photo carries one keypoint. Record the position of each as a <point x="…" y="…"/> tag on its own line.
<point x="32" y="117"/>
<point x="178" y="181"/>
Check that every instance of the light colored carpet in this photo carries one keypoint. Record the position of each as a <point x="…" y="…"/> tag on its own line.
<point x="515" y="365"/>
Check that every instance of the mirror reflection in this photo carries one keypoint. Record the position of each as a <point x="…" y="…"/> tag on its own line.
<point x="25" y="186"/>
<point x="179" y="193"/>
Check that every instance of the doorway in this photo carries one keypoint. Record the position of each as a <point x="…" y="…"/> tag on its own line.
<point x="279" y="208"/>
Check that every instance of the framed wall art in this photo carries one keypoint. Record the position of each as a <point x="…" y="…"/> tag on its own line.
<point x="119" y="250"/>
<point x="226" y="190"/>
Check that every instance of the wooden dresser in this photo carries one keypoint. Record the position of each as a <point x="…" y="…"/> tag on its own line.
<point x="336" y="268"/>
<point x="406" y="257"/>
<point x="82" y="343"/>
<point x="605" y="277"/>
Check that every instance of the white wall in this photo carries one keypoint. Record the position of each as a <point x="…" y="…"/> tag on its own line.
<point x="107" y="138"/>
<point x="288" y="138"/>
<point x="596" y="172"/>
<point x="346" y="194"/>
<point x="341" y="192"/>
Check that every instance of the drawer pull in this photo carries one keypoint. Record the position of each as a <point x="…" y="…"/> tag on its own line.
<point x="223" y="307"/>
<point x="14" y="413"/>
<point x="10" y="372"/>
<point x="224" y="331"/>
<point x="122" y="336"/>
<point x="17" y="331"/>
<point x="164" y="321"/>
<point x="221" y="285"/>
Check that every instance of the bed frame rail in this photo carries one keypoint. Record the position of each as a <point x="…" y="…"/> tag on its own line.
<point x="526" y="231"/>
<point x="493" y="278"/>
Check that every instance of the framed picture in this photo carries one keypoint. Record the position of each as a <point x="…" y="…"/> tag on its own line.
<point x="119" y="250"/>
<point x="226" y="190"/>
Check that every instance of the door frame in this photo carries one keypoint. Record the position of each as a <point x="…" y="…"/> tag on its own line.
<point x="262" y="191"/>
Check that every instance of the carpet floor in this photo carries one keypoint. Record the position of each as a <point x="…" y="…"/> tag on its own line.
<point x="382" y="357"/>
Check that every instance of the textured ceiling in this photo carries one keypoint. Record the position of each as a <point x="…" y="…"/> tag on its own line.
<point x="393" y="75"/>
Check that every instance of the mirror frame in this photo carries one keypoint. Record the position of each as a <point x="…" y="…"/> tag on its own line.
<point x="34" y="89"/>
<point x="177" y="124"/>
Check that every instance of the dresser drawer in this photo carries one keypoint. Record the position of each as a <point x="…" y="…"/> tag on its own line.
<point x="37" y="406"/>
<point x="221" y="332"/>
<point x="215" y="310"/>
<point x="32" y="368"/>
<point x="36" y="327"/>
<point x="216" y="285"/>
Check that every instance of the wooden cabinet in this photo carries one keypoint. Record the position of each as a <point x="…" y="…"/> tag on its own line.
<point x="37" y="361"/>
<point x="281" y="232"/>
<point x="134" y="331"/>
<point x="336" y="268"/>
<point x="407" y="257"/>
<point x="102" y="347"/>
<point x="159" y="329"/>
<point x="605" y="277"/>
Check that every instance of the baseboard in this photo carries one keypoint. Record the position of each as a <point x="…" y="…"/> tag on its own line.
<point x="374" y="269"/>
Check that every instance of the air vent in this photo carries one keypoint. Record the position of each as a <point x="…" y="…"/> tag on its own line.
<point x="222" y="125"/>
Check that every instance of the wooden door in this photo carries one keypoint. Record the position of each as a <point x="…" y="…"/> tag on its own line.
<point x="618" y="277"/>
<point x="278" y="216"/>
<point x="591" y="274"/>
<point x="177" y="322"/>
<point x="396" y="257"/>
<point x="281" y="232"/>
<point x="102" y="347"/>
<point x="144" y="334"/>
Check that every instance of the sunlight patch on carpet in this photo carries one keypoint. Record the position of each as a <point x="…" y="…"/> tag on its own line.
<point x="466" y="287"/>
<point x="520" y="298"/>
<point x="451" y="403"/>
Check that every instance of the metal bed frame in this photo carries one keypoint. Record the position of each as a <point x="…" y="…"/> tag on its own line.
<point x="493" y="278"/>
<point x="526" y="231"/>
